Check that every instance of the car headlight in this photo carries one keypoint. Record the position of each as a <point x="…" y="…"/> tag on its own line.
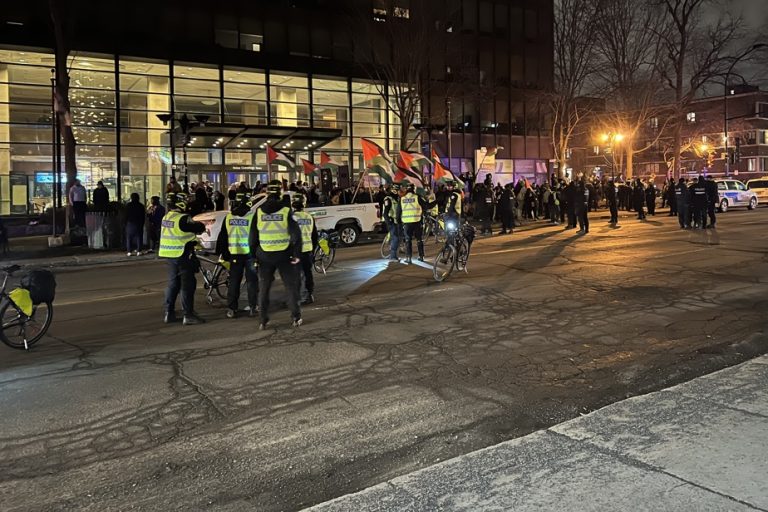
<point x="451" y="225"/>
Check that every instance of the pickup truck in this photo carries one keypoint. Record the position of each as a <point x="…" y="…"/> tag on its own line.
<point x="349" y="220"/>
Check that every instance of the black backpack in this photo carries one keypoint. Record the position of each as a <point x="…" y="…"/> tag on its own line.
<point x="41" y="285"/>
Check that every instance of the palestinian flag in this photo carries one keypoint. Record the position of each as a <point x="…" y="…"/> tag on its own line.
<point x="405" y="174"/>
<point x="377" y="160"/>
<point x="413" y="160"/>
<point x="310" y="169"/>
<point x="279" y="158"/>
<point x="435" y="158"/>
<point x="441" y="174"/>
<point x="326" y="162"/>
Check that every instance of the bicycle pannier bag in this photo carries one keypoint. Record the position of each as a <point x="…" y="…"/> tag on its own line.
<point x="41" y="285"/>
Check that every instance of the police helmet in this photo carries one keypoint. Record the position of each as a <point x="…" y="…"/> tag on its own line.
<point x="396" y="186"/>
<point x="299" y="201"/>
<point x="274" y="187"/>
<point x="240" y="200"/>
<point x="176" y="201"/>
<point x="450" y="183"/>
<point x="410" y="187"/>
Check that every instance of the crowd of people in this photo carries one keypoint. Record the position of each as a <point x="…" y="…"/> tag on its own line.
<point x="562" y="201"/>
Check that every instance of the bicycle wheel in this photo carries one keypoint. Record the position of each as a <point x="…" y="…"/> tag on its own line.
<point x="445" y="261"/>
<point x="220" y="282"/>
<point x="462" y="256"/>
<point x="385" y="247"/>
<point x="21" y="332"/>
<point x="321" y="261"/>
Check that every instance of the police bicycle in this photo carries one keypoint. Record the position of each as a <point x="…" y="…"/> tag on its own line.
<point x="455" y="252"/>
<point x="325" y="253"/>
<point x="385" y="244"/>
<point x="215" y="276"/>
<point x="26" y="311"/>
<point x="434" y="226"/>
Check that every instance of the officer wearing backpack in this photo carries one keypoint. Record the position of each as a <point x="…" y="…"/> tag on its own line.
<point x="177" y="245"/>
<point x="308" y="243"/>
<point x="234" y="246"/>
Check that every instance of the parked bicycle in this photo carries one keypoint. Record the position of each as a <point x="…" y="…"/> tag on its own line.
<point x="455" y="252"/>
<point x="325" y="252"/>
<point x="26" y="311"/>
<point x="215" y="276"/>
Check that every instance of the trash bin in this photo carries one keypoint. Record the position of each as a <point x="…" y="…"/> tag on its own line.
<point x="94" y="227"/>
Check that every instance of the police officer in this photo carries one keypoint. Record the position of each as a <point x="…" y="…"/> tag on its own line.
<point x="571" y="198"/>
<point x="277" y="239"/>
<point x="700" y="203"/>
<point x="453" y="207"/>
<point x="682" y="201"/>
<point x="177" y="244"/>
<point x="650" y="198"/>
<point x="308" y="243"/>
<point x="507" y="207"/>
<point x="581" y="206"/>
<point x="234" y="246"/>
<point x="611" y="199"/>
<point x="411" y="211"/>
<point x="390" y="212"/>
<point x="712" y="199"/>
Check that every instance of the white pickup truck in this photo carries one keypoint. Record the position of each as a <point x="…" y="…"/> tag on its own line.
<point x="349" y="220"/>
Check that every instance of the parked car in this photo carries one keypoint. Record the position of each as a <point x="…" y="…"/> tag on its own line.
<point x="734" y="193"/>
<point x="349" y="220"/>
<point x="759" y="187"/>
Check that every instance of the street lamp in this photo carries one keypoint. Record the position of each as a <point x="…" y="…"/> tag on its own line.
<point x="612" y="138"/>
<point x="725" y="102"/>
<point x="185" y="124"/>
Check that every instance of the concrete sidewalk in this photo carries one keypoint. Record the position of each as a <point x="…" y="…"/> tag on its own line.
<point x="702" y="445"/>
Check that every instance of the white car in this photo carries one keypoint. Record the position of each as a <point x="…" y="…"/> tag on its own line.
<point x="760" y="188"/>
<point x="349" y="220"/>
<point x="734" y="193"/>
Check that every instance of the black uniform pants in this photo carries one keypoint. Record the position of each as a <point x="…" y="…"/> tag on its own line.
<point x="571" y="218"/>
<point x="614" y="212"/>
<point x="306" y="270"/>
<point x="682" y="216"/>
<point x="507" y="219"/>
<point x="289" y="273"/>
<point x="673" y="205"/>
<point x="700" y="215"/>
<point x="711" y="213"/>
<point x="413" y="230"/>
<point x="238" y="267"/>
<point x="583" y="217"/>
<point x="181" y="278"/>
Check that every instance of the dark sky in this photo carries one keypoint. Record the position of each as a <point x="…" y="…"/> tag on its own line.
<point x="754" y="15"/>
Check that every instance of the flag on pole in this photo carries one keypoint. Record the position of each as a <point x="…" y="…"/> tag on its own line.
<point x="442" y="174"/>
<point x="326" y="162"/>
<point x="408" y="175"/>
<point x="279" y="158"/>
<point x="435" y="158"/>
<point x="414" y="160"/>
<point x="377" y="160"/>
<point x="310" y="169"/>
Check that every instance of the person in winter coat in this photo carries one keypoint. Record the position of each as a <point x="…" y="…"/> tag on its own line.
<point x="134" y="225"/>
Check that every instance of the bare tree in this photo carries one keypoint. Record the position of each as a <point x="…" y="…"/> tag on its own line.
<point x="575" y="48"/>
<point x="62" y="20"/>
<point x="628" y="50"/>
<point x="396" y="51"/>
<point x="695" y="51"/>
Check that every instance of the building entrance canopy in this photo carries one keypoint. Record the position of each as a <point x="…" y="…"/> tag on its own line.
<point x="237" y="136"/>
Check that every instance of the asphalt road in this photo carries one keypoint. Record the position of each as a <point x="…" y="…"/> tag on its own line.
<point x="390" y="373"/>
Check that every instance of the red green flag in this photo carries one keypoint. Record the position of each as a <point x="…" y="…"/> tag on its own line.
<point x="279" y="158"/>
<point x="377" y="160"/>
<point x="310" y="169"/>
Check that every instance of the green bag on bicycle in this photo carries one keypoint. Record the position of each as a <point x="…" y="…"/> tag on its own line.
<point x="23" y="300"/>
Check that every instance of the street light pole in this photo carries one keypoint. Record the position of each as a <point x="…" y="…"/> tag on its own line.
<point x="725" y="103"/>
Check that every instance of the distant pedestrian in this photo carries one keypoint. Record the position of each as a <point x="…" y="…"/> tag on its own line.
<point x="712" y="200"/>
<point x="173" y="186"/>
<point x="100" y="197"/>
<point x="638" y="199"/>
<point x="682" y="200"/>
<point x="611" y="199"/>
<point x="507" y="209"/>
<point x="582" y="207"/>
<point x="134" y="225"/>
<point x="650" y="198"/>
<point x="77" y="197"/>
<point x="155" y="214"/>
